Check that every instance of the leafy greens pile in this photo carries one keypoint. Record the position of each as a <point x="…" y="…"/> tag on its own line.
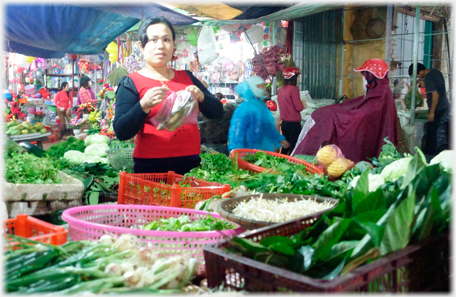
<point x="364" y="226"/>
<point x="183" y="223"/>
<point x="26" y="168"/>
<point x="219" y="168"/>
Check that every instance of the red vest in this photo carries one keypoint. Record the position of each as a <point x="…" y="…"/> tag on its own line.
<point x="152" y="143"/>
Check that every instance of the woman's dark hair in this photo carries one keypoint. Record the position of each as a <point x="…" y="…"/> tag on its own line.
<point x="63" y="85"/>
<point x="142" y="32"/>
<point x="292" y="81"/>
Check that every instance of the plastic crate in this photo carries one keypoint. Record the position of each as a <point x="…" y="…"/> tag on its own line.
<point x="163" y="189"/>
<point x="121" y="158"/>
<point x="35" y="229"/>
<point x="241" y="153"/>
<point x="416" y="268"/>
<point x="92" y="222"/>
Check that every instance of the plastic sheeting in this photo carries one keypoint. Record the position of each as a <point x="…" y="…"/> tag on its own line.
<point x="51" y="30"/>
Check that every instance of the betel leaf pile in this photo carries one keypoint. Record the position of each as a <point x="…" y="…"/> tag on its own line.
<point x="364" y="226"/>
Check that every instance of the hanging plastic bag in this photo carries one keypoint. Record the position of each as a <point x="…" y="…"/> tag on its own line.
<point x="207" y="46"/>
<point x="177" y="109"/>
<point x="333" y="162"/>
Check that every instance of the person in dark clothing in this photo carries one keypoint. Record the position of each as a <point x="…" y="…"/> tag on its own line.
<point x="444" y="131"/>
<point x="437" y="102"/>
<point x="139" y="97"/>
<point x="290" y="107"/>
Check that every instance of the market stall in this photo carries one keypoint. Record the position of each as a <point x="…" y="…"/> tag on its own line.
<point x="80" y="221"/>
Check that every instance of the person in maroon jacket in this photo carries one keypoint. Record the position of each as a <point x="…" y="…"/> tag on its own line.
<point x="290" y="107"/>
<point x="139" y="97"/>
<point x="357" y="126"/>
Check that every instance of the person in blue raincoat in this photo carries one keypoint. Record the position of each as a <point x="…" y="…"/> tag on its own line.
<point x="252" y="125"/>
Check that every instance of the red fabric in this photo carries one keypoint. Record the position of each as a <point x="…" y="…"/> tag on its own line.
<point x="356" y="126"/>
<point x="289" y="39"/>
<point x="290" y="104"/>
<point x="152" y="143"/>
<point x="377" y="67"/>
<point x="63" y="100"/>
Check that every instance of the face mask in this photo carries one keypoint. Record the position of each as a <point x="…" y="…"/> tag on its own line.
<point x="364" y="84"/>
<point x="259" y="93"/>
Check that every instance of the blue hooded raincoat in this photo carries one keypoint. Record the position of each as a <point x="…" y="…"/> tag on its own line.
<point x="252" y="125"/>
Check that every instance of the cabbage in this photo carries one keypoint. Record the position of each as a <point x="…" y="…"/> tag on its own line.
<point x="96" y="138"/>
<point x="74" y="157"/>
<point x="375" y="181"/>
<point x="95" y="159"/>
<point x="396" y="169"/>
<point x="97" y="150"/>
<point x="444" y="159"/>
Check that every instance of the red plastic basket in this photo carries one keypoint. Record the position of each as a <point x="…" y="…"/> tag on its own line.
<point x="35" y="229"/>
<point x="241" y="153"/>
<point x="161" y="189"/>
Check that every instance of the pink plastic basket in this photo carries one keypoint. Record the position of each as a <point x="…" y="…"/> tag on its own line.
<point x="92" y="222"/>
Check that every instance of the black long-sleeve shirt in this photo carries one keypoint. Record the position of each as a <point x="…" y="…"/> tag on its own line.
<point x="129" y="116"/>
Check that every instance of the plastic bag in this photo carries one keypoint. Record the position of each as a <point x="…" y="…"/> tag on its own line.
<point x="333" y="162"/>
<point x="177" y="109"/>
<point x="207" y="46"/>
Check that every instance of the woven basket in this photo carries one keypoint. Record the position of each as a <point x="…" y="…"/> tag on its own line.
<point x="227" y="206"/>
<point x="239" y="154"/>
<point x="120" y="158"/>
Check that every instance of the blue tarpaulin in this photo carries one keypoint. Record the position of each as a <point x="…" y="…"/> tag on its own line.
<point x="51" y="30"/>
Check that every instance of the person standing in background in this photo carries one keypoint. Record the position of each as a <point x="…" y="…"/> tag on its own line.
<point x="437" y="102"/>
<point x="86" y="94"/>
<point x="252" y="125"/>
<point x="63" y="102"/>
<point x="290" y="107"/>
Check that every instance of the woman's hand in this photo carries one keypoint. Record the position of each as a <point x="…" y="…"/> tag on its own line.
<point x="196" y="93"/>
<point x="285" y="144"/>
<point x="153" y="97"/>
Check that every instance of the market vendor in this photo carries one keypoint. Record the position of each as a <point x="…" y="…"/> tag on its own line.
<point x="357" y="126"/>
<point x="252" y="125"/>
<point x="290" y="107"/>
<point x="139" y="97"/>
<point x="63" y="102"/>
<point x="86" y="94"/>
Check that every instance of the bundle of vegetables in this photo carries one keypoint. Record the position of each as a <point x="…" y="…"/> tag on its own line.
<point x="112" y="265"/>
<point x="183" y="223"/>
<point x="278" y="210"/>
<point x="364" y="226"/>
<point x="25" y="168"/>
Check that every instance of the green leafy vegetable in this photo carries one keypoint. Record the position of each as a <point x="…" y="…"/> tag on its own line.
<point x="183" y="223"/>
<point x="29" y="169"/>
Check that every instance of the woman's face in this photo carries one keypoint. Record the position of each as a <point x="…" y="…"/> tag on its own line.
<point x="67" y="88"/>
<point x="160" y="47"/>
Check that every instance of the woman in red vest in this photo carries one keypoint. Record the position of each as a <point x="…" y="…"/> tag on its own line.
<point x="139" y="97"/>
<point x="63" y="102"/>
